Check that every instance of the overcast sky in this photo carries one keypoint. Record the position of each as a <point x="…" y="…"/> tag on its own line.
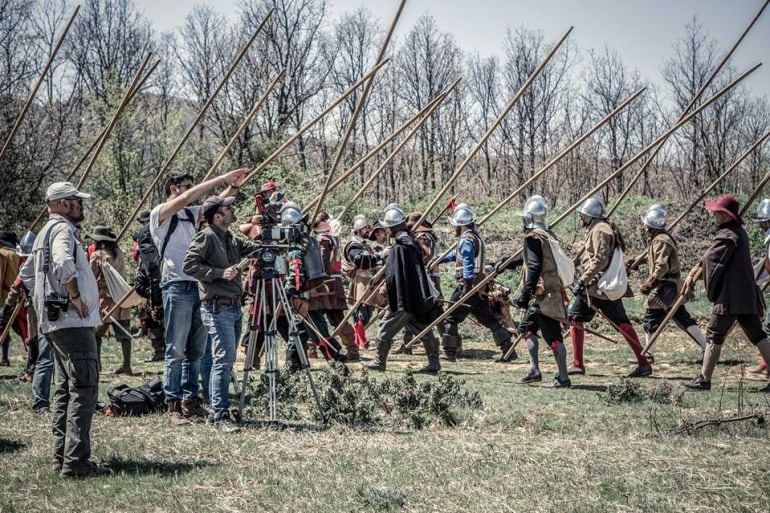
<point x="642" y="31"/>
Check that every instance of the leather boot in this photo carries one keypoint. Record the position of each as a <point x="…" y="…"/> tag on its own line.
<point x="349" y="341"/>
<point x="450" y="342"/>
<point x="502" y="338"/>
<point x="710" y="360"/>
<point x="431" y="350"/>
<point x="174" y="407"/>
<point x="402" y="349"/>
<point x="577" y="334"/>
<point x="383" y="348"/>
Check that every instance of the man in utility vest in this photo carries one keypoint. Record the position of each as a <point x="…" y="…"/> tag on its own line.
<point x="469" y="267"/>
<point x="664" y="280"/>
<point x="542" y="295"/>
<point x="593" y="258"/>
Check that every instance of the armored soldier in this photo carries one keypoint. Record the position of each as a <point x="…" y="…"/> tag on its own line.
<point x="411" y="304"/>
<point x="542" y="294"/>
<point x="469" y="266"/>
<point x="761" y="270"/>
<point x="359" y="263"/>
<point x="664" y="281"/>
<point x="593" y="258"/>
<point x="730" y="286"/>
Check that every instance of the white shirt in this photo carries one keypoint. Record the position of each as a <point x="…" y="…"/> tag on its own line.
<point x="176" y="249"/>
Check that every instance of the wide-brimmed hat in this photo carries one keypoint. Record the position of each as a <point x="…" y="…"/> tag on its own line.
<point x="61" y="190"/>
<point x="103" y="233"/>
<point x="726" y="204"/>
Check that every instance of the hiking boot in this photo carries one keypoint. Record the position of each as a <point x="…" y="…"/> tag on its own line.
<point x="699" y="383"/>
<point x="532" y="377"/>
<point x="576" y="369"/>
<point x="192" y="409"/>
<point x="557" y="383"/>
<point x="85" y="469"/>
<point x="175" y="413"/>
<point x="642" y="371"/>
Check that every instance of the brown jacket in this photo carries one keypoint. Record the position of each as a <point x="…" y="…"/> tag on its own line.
<point x="550" y="299"/>
<point x="662" y="264"/>
<point x="330" y="295"/>
<point x="729" y="274"/>
<point x="9" y="269"/>
<point x="97" y="260"/>
<point x="595" y="254"/>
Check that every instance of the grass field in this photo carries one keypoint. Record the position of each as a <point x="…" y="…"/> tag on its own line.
<point x="529" y="448"/>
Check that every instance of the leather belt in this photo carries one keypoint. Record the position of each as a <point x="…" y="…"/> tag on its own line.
<point x="224" y="301"/>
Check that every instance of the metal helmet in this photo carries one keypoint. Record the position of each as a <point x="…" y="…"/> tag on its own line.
<point x="291" y="213"/>
<point x="462" y="216"/>
<point x="26" y="244"/>
<point x="536" y="198"/>
<point x="763" y="211"/>
<point x="592" y="207"/>
<point x="655" y="218"/>
<point x="534" y="213"/>
<point x="393" y="216"/>
<point x="359" y="223"/>
<point x="657" y="206"/>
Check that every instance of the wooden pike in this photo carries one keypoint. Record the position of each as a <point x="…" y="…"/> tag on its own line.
<point x="36" y="87"/>
<point x="392" y="155"/>
<point x="639" y="259"/>
<point x="164" y="167"/>
<point x="244" y="124"/>
<point x="695" y="273"/>
<point x="494" y="125"/>
<point x="355" y="167"/>
<point x="137" y="83"/>
<point x="262" y="165"/>
<point x="357" y="111"/>
<point x="689" y="106"/>
<point x="11" y="320"/>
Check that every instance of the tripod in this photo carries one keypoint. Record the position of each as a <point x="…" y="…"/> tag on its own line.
<point x="270" y="288"/>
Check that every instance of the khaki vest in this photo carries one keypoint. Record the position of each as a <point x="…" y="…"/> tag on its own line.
<point x="551" y="299"/>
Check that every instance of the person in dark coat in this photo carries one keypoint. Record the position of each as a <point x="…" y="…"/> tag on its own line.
<point x="411" y="304"/>
<point x="730" y="286"/>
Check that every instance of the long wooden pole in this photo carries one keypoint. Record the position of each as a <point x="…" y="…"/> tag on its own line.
<point x="36" y="87"/>
<point x="137" y="82"/>
<point x="692" y="102"/>
<point x="262" y="165"/>
<point x="355" y="167"/>
<point x="638" y="260"/>
<point x="398" y="148"/>
<point x="657" y="141"/>
<point x="696" y="272"/>
<point x="164" y="167"/>
<point x="357" y="111"/>
<point x="479" y="286"/>
<point x="243" y="125"/>
<point x="494" y="125"/>
<point x="11" y="320"/>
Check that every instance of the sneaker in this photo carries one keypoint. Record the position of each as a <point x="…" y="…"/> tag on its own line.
<point x="532" y="377"/>
<point x="86" y="469"/>
<point x="642" y="371"/>
<point x="699" y="383"/>
<point x="576" y="369"/>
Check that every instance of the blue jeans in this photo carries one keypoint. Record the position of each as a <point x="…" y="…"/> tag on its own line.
<point x="206" y="364"/>
<point x="41" y="381"/>
<point x="185" y="339"/>
<point x="224" y="329"/>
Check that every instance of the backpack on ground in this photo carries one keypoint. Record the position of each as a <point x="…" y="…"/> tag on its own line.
<point x="141" y="400"/>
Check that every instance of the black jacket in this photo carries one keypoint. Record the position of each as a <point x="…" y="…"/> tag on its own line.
<point x="407" y="282"/>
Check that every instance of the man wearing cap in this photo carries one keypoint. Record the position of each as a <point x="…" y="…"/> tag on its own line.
<point x="469" y="271"/>
<point x="9" y="269"/>
<point x="730" y="286"/>
<point x="107" y="252"/>
<point x="593" y="258"/>
<point x="212" y="259"/>
<point x="66" y="299"/>
<point x="173" y="226"/>
<point x="411" y="304"/>
<point x="664" y="280"/>
<point x="147" y="283"/>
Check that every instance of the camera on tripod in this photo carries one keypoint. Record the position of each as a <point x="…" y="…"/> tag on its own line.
<point x="54" y="304"/>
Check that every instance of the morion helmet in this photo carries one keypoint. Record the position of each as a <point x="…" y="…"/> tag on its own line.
<point x="462" y="216"/>
<point x="655" y="218"/>
<point x="394" y="215"/>
<point x="534" y="213"/>
<point x="592" y="207"/>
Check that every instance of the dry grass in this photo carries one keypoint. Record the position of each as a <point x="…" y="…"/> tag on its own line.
<point x="528" y="449"/>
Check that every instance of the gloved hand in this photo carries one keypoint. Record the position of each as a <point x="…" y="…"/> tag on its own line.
<point x="523" y="300"/>
<point x="579" y="289"/>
